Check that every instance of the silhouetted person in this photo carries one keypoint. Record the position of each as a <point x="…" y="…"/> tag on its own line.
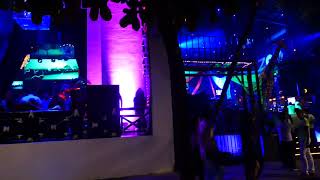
<point x="30" y="102"/>
<point x="286" y="141"/>
<point x="208" y="150"/>
<point x="8" y="103"/>
<point x="140" y="104"/>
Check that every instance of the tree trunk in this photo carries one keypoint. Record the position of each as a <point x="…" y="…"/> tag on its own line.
<point x="182" y="135"/>
<point x="19" y="46"/>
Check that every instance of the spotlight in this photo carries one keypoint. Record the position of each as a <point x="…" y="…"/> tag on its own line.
<point x="234" y="15"/>
<point x="218" y="10"/>
<point x="53" y="60"/>
<point x="39" y="60"/>
<point x="294" y="50"/>
<point x="267" y="28"/>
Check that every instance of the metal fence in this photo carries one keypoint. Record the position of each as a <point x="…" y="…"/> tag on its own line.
<point x="206" y="47"/>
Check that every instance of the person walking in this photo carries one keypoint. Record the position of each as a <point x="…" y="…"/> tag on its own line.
<point x="303" y="132"/>
<point x="209" y="153"/>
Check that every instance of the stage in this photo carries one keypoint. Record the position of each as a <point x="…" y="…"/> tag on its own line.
<point x="107" y="157"/>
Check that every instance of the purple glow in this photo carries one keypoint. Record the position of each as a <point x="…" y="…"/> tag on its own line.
<point x="94" y="74"/>
<point x="115" y="55"/>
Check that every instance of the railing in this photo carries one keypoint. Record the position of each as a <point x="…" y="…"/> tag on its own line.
<point x="314" y="148"/>
<point x="136" y="120"/>
<point x="55" y="126"/>
<point x="206" y="47"/>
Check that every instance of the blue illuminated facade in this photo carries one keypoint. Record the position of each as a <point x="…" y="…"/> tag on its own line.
<point x="23" y="19"/>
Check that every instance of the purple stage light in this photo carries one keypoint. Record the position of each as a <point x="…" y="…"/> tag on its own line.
<point x="115" y="55"/>
<point x="94" y="73"/>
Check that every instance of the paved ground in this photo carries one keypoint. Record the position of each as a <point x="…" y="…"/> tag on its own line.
<point x="272" y="171"/>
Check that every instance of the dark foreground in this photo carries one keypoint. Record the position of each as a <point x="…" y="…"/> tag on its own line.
<point x="272" y="171"/>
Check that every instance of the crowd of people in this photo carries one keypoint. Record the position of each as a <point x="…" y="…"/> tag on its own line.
<point x="298" y="127"/>
<point x="34" y="100"/>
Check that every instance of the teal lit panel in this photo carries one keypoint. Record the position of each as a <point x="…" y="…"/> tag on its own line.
<point x="190" y="72"/>
<point x="48" y="64"/>
<point x="61" y="76"/>
<point x="51" y="69"/>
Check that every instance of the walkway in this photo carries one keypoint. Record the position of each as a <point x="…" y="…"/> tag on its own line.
<point x="272" y="171"/>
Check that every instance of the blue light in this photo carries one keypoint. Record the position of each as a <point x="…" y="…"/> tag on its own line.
<point x="311" y="37"/>
<point x="229" y="93"/>
<point x="317" y="136"/>
<point x="304" y="40"/>
<point x="229" y="143"/>
<point x="278" y="34"/>
<point x="280" y="55"/>
<point x="6" y="28"/>
<point x="211" y="40"/>
<point x="262" y="145"/>
<point x="268" y="58"/>
<point x="6" y="25"/>
<point x="219" y="81"/>
<point x="218" y="9"/>
<point x="23" y="19"/>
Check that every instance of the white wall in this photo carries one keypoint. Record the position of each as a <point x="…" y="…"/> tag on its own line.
<point x="102" y="158"/>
